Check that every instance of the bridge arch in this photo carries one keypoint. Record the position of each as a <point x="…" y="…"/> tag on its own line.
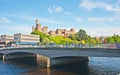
<point x="63" y="60"/>
<point x="1" y="56"/>
<point x="39" y="59"/>
<point x="13" y="55"/>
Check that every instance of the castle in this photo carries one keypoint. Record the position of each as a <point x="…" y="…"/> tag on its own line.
<point x="58" y="32"/>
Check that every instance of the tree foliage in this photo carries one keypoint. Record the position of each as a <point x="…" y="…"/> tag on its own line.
<point x="116" y="38"/>
<point x="110" y="40"/>
<point x="42" y="35"/>
<point x="52" y="39"/>
<point x="79" y="37"/>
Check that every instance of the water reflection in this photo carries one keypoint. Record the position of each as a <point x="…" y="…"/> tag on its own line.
<point x="46" y="71"/>
<point x="96" y="66"/>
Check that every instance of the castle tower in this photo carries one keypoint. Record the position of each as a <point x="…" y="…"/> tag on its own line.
<point x="72" y="31"/>
<point x="52" y="33"/>
<point x="65" y="32"/>
<point x="59" y="32"/>
<point x="37" y="21"/>
<point x="45" y="30"/>
<point x="38" y="26"/>
<point x="33" y="28"/>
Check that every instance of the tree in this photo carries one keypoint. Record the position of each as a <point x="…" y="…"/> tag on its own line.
<point x="81" y="35"/>
<point x="46" y="40"/>
<point x="93" y="41"/>
<point x="42" y="35"/>
<point x="116" y="38"/>
<point x="88" y="40"/>
<point x="109" y="40"/>
<point x="72" y="36"/>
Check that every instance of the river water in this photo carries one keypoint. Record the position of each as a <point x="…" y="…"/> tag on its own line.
<point x="96" y="66"/>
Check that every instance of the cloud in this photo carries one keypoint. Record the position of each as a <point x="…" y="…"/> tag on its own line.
<point x="21" y="29"/>
<point x="52" y="21"/>
<point x="92" y="5"/>
<point x="55" y="8"/>
<point x="15" y="29"/>
<point x="45" y="20"/>
<point x="4" y="20"/>
<point x="118" y="3"/>
<point x="102" y="19"/>
<point x="50" y="10"/>
<point x="103" y="31"/>
<point x="30" y="18"/>
<point x="68" y="13"/>
<point x="78" y="19"/>
<point x="58" y="9"/>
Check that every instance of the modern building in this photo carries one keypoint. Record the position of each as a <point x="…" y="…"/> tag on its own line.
<point x="6" y="39"/>
<point x="0" y="38"/>
<point x="58" y="32"/>
<point x="26" y="39"/>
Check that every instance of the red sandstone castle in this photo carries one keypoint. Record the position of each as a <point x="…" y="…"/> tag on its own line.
<point x="58" y="32"/>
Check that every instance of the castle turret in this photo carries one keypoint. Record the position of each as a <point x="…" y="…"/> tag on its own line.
<point x="38" y="26"/>
<point x="52" y="33"/>
<point x="72" y="31"/>
<point x="58" y="32"/>
<point x="45" y="30"/>
<point x="65" y="32"/>
<point x="33" y="28"/>
<point x="37" y="21"/>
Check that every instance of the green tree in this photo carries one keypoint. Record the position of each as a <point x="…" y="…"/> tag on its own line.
<point x="93" y="41"/>
<point x="88" y="40"/>
<point x="46" y="40"/>
<point x="116" y="38"/>
<point x="109" y="40"/>
<point x="72" y="36"/>
<point x="81" y="35"/>
<point x="42" y="35"/>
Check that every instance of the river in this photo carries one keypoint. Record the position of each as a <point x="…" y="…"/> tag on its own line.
<point x="96" y="66"/>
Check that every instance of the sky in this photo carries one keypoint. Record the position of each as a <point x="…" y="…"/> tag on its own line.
<point x="96" y="17"/>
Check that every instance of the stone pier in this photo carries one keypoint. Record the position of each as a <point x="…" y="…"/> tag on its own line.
<point x="43" y="61"/>
<point x="67" y="60"/>
<point x="54" y="62"/>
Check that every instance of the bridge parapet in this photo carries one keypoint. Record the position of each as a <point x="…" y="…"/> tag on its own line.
<point x="106" y="46"/>
<point x="59" y="52"/>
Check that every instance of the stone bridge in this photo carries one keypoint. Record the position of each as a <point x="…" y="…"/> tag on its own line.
<point x="57" y="56"/>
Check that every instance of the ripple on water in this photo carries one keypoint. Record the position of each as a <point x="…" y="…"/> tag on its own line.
<point x="96" y="66"/>
<point x="104" y="66"/>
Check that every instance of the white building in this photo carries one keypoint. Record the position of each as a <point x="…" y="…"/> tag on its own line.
<point x="6" y="39"/>
<point x="0" y="38"/>
<point x="26" y="39"/>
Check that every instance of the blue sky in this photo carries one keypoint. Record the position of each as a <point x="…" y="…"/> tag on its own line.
<point x="96" y="17"/>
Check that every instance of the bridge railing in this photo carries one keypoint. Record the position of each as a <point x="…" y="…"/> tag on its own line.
<point x="112" y="46"/>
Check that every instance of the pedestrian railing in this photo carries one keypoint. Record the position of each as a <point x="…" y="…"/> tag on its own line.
<point x="111" y="46"/>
